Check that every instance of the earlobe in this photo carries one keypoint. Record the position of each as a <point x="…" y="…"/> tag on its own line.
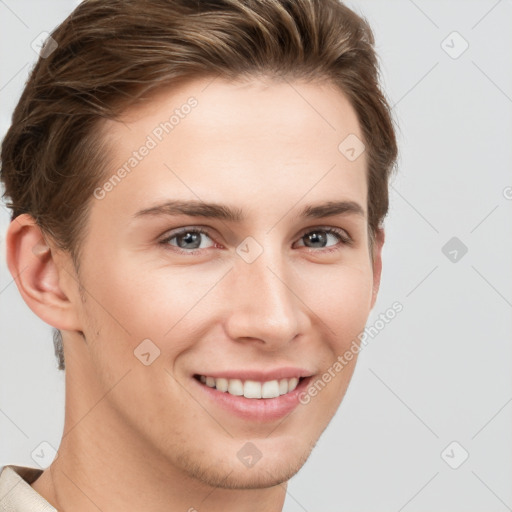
<point x="377" y="263"/>
<point x="39" y="274"/>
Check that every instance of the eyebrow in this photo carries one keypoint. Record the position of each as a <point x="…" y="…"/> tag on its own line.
<point x="224" y="212"/>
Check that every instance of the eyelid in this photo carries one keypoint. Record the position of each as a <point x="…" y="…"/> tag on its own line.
<point x="344" y="236"/>
<point x="168" y="235"/>
<point x="330" y="229"/>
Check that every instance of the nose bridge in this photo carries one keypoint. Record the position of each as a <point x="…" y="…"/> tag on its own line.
<point x="263" y="304"/>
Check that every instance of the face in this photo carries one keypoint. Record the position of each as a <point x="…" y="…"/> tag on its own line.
<point x="230" y="281"/>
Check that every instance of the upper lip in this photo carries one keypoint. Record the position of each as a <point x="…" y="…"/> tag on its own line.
<point x="259" y="375"/>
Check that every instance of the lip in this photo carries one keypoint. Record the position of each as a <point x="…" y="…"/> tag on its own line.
<point x="287" y="372"/>
<point x="259" y="410"/>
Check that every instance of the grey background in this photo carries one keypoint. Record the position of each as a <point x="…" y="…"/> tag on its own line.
<point x="441" y="370"/>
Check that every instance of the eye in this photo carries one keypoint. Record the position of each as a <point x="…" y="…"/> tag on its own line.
<point x="188" y="240"/>
<point x="320" y="236"/>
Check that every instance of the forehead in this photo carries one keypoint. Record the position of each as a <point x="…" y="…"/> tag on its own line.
<point x="219" y="140"/>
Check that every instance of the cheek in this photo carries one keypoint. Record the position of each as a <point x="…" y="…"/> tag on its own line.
<point x="133" y="303"/>
<point x="128" y="293"/>
<point x="342" y="298"/>
<point x="342" y="301"/>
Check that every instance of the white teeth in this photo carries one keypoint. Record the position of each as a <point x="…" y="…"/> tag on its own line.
<point x="221" y="384"/>
<point x="292" y="384"/>
<point x="270" y="389"/>
<point x="251" y="388"/>
<point x="235" y="387"/>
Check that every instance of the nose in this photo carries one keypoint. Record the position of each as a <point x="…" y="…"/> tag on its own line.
<point x="264" y="306"/>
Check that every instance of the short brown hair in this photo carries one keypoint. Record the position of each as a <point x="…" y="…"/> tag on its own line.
<point x="112" y="53"/>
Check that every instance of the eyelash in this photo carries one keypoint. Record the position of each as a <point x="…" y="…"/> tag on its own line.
<point x="340" y="233"/>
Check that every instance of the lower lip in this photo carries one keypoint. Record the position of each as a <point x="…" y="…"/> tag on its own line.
<point x="256" y="409"/>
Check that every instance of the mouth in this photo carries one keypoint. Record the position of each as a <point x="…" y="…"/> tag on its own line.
<point x="257" y="401"/>
<point x="251" y="389"/>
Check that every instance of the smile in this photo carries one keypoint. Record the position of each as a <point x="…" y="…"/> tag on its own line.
<point x="251" y="388"/>
<point x="254" y="395"/>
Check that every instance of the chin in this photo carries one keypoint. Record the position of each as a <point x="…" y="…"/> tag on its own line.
<point x="261" y="476"/>
<point x="273" y="468"/>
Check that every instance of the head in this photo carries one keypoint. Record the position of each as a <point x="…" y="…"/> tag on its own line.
<point x="256" y="112"/>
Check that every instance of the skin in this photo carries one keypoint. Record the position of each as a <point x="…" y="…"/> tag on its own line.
<point x="140" y="437"/>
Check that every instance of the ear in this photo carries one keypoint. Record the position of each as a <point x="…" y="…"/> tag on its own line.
<point x="377" y="263"/>
<point x="44" y="276"/>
